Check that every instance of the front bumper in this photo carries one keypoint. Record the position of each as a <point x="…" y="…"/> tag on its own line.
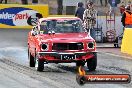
<point x="65" y="56"/>
<point x="64" y="53"/>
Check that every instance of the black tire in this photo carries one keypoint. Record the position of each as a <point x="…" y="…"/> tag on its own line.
<point x="80" y="63"/>
<point x="116" y="45"/>
<point x="39" y="64"/>
<point x="92" y="62"/>
<point x="31" y="59"/>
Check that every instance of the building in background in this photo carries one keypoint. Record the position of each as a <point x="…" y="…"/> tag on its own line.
<point x="68" y="6"/>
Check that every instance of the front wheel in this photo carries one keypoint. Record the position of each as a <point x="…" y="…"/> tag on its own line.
<point x="92" y="62"/>
<point x="31" y="59"/>
<point x="39" y="64"/>
<point x="80" y="63"/>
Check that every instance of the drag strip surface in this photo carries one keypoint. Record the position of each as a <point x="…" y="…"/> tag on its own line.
<point x="15" y="72"/>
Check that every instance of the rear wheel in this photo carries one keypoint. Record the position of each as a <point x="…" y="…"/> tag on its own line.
<point x="39" y="64"/>
<point x="92" y="63"/>
<point x="31" y="59"/>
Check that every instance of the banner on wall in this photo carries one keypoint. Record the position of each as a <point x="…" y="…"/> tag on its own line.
<point x="15" y="16"/>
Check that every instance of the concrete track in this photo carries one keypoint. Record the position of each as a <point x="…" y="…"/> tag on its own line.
<point x="15" y="72"/>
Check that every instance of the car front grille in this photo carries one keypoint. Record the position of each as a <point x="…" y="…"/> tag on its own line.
<point x="67" y="46"/>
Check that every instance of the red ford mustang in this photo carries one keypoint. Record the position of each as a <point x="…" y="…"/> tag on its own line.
<point x="61" y="40"/>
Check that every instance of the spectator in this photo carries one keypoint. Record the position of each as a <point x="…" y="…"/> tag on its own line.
<point x="129" y="2"/>
<point x="89" y="18"/>
<point x="1" y="1"/>
<point x="122" y="8"/>
<point x="93" y="1"/>
<point x="113" y="5"/>
<point x="127" y="17"/>
<point x="101" y="2"/>
<point x="80" y="10"/>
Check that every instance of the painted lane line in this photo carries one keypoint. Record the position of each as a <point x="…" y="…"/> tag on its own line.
<point x="115" y="55"/>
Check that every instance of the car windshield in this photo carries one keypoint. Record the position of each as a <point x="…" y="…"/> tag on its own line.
<point x="62" y="26"/>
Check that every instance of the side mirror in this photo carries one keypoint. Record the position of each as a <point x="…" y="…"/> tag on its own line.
<point x="32" y="20"/>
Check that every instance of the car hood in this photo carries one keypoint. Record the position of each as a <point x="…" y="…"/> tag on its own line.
<point x="66" y="37"/>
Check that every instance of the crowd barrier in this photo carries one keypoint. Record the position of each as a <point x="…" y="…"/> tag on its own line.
<point x="126" y="46"/>
<point x="15" y="15"/>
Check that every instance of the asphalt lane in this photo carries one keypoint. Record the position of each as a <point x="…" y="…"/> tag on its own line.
<point x="15" y="72"/>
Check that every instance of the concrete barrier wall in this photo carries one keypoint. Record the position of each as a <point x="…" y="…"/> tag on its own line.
<point x="126" y="46"/>
<point x="15" y="15"/>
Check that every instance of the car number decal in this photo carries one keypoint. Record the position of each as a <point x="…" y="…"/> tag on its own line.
<point x="68" y="57"/>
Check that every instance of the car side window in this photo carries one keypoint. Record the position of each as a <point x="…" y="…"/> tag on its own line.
<point x="44" y="27"/>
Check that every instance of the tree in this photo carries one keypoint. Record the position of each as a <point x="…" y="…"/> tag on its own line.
<point x="60" y="7"/>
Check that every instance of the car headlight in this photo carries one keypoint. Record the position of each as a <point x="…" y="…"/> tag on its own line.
<point x="90" y="45"/>
<point x="44" y="47"/>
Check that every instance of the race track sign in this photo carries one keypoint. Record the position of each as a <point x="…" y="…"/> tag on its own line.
<point x="15" y="16"/>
